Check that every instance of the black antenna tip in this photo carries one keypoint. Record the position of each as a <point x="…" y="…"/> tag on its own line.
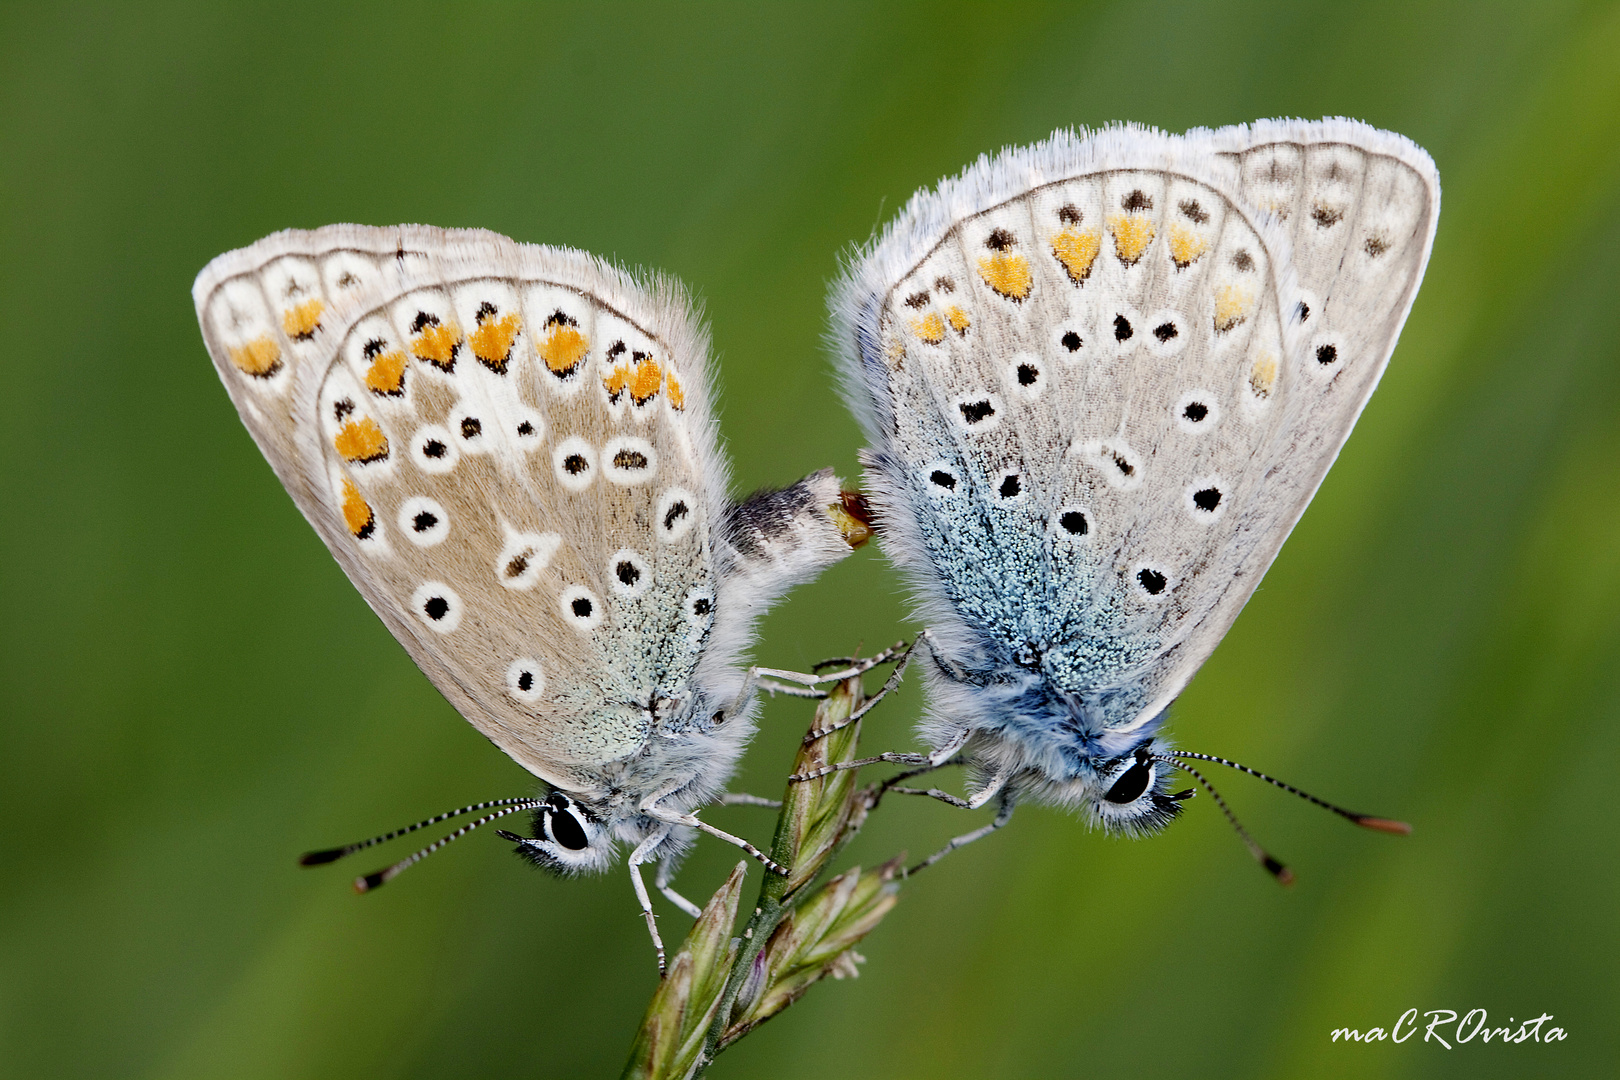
<point x="1283" y="875"/>
<point x="370" y="881"/>
<point x="320" y="858"/>
<point x="1397" y="828"/>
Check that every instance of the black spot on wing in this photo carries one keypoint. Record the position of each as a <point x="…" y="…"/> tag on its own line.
<point x="976" y="412"/>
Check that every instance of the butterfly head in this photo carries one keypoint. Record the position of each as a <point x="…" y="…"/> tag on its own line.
<point x="1132" y="795"/>
<point x="568" y="837"/>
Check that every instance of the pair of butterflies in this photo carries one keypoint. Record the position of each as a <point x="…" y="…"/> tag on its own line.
<point x="1100" y="377"/>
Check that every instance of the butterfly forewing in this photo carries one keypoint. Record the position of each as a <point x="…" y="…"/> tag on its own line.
<point x="1108" y="375"/>
<point x="1047" y="352"/>
<point x="498" y="444"/>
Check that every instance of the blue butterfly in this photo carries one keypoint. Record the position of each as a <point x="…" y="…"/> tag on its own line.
<point x="1101" y="377"/>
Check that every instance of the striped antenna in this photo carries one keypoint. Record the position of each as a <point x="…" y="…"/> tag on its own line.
<point x="318" y="858"/>
<point x="1366" y="821"/>
<point x="380" y="877"/>
<point x="1273" y="866"/>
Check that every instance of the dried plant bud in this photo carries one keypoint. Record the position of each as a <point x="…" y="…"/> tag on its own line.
<point x="670" y="1042"/>
<point x="819" y="815"/>
<point x="719" y="988"/>
<point x="814" y="940"/>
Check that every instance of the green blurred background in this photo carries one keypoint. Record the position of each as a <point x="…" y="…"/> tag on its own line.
<point x="192" y="693"/>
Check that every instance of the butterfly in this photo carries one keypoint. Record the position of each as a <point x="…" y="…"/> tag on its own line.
<point x="1101" y="378"/>
<point x="510" y="450"/>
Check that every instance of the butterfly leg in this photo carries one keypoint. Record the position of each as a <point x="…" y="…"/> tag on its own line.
<point x="742" y="798"/>
<point x="1003" y="815"/>
<point x="894" y="782"/>
<point x="934" y="759"/>
<point x="997" y="783"/>
<point x="972" y="802"/>
<point x="850" y="666"/>
<point x="933" y="793"/>
<point x="753" y="680"/>
<point x="780" y="681"/>
<point x="637" y="857"/>
<point x="692" y="821"/>
<point x="661" y="879"/>
<point x="870" y="703"/>
<point x="890" y="757"/>
<point x="901" y="777"/>
<point x="757" y="680"/>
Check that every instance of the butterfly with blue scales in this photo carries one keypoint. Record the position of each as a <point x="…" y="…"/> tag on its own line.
<point x="1101" y="378"/>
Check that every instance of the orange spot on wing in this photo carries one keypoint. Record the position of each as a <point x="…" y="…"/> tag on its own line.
<point x="677" y="396"/>
<point x="1132" y="235"/>
<point x="1077" y="250"/>
<point x="1185" y="245"/>
<point x="1263" y="375"/>
<point x="1233" y="303"/>
<point x="958" y="319"/>
<point x="617" y="379"/>
<point x="492" y="340"/>
<point x="563" y="348"/>
<point x="361" y="440"/>
<point x="357" y="513"/>
<point x="387" y="373"/>
<point x="437" y="344"/>
<point x="260" y="358"/>
<point x="894" y="353"/>
<point x="1007" y="274"/>
<point x="930" y="328"/>
<point x="302" y="320"/>
<point x="645" y="380"/>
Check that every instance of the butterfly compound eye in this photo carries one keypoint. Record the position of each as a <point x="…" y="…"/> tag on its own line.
<point x="1129" y="788"/>
<point x="567" y="831"/>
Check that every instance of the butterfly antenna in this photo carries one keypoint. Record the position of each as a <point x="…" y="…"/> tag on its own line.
<point x="1366" y="821"/>
<point x="382" y="877"/>
<point x="318" y="858"/>
<point x="1273" y="865"/>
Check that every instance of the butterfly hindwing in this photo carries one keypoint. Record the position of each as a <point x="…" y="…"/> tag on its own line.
<point x="507" y="448"/>
<point x="1359" y="208"/>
